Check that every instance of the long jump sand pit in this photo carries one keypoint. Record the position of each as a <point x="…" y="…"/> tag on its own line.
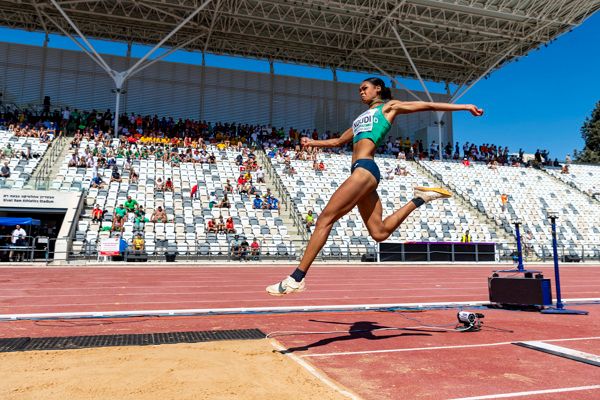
<point x="247" y="369"/>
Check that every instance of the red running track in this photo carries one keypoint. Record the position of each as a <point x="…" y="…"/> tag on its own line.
<point x="128" y="289"/>
<point x="412" y="361"/>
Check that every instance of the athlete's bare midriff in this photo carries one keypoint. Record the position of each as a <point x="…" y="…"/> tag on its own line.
<point x="364" y="148"/>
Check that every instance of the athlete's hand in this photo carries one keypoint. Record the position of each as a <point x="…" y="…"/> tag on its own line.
<point x="305" y="142"/>
<point x="477" y="112"/>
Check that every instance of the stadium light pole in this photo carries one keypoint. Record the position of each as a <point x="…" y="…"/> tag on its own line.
<point x="119" y="78"/>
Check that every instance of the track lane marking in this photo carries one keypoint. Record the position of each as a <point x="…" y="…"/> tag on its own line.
<point x="529" y="393"/>
<point x="409" y="349"/>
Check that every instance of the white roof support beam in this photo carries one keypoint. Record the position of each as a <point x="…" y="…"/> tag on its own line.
<point x="493" y="65"/>
<point x="412" y="64"/>
<point x="82" y="36"/>
<point x="120" y="77"/>
<point x="379" y="25"/>
<point x="148" y="63"/>
<point x="164" y="40"/>
<point x="212" y="26"/>
<point x="83" y="48"/>
<point x="439" y="114"/>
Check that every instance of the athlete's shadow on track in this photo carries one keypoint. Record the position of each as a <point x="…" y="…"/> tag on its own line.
<point x="360" y="330"/>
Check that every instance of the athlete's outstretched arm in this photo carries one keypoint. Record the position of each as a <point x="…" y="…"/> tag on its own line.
<point x="408" y="107"/>
<point x="336" y="142"/>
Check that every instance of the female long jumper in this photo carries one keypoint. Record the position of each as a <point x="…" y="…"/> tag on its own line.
<point x="367" y="133"/>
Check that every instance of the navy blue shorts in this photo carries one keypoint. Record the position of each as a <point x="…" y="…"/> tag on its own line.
<point x="369" y="165"/>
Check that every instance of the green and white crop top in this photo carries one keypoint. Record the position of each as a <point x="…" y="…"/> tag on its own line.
<point x="371" y="125"/>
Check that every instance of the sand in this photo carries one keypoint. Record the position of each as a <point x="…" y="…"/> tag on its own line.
<point x="215" y="370"/>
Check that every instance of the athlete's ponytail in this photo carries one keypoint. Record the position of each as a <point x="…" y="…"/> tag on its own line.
<point x="386" y="92"/>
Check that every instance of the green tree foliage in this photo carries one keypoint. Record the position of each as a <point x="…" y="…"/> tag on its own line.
<point x="590" y="131"/>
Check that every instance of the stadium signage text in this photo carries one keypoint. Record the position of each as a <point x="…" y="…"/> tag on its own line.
<point x="36" y="199"/>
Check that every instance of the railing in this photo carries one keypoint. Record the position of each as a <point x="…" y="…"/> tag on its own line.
<point x="292" y="209"/>
<point x="42" y="175"/>
<point x="43" y="249"/>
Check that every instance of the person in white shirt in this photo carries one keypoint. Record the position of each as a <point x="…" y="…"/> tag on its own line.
<point x="260" y="175"/>
<point x="66" y="114"/>
<point x="18" y="232"/>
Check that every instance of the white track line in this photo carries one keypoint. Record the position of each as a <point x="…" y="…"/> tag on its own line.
<point x="238" y="310"/>
<point x="564" y="351"/>
<point x="409" y="349"/>
<point x="338" y="307"/>
<point x="530" y="393"/>
<point x="313" y="371"/>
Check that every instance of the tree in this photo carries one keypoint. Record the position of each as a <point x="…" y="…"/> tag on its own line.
<point x="590" y="131"/>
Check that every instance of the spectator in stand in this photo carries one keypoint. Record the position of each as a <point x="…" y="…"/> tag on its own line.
<point x="504" y="200"/>
<point x="241" y="181"/>
<point x="433" y="150"/>
<point x="139" y="245"/>
<point x="234" y="247"/>
<point x="140" y="217"/>
<point x="228" y="188"/>
<point x="493" y="165"/>
<point x="211" y="226"/>
<point x="120" y="212"/>
<point x="212" y="201"/>
<point x="310" y="220"/>
<point x="229" y="226"/>
<point x="131" y="204"/>
<point x="159" y="215"/>
<point x="224" y="203"/>
<point x="97" y="214"/>
<point x="244" y="246"/>
<point x="73" y="161"/>
<point x="97" y="182"/>
<point x="255" y="249"/>
<point x="260" y="175"/>
<point x="133" y="176"/>
<point x="466" y="237"/>
<point x="252" y="190"/>
<point x="257" y="203"/>
<point x="117" y="225"/>
<point x="466" y="162"/>
<point x="564" y="169"/>
<point x="273" y="203"/>
<point x="168" y="185"/>
<point x="221" y="225"/>
<point x="194" y="191"/>
<point x="116" y="175"/>
<point x="159" y="185"/>
<point x="321" y="166"/>
<point x="389" y="173"/>
<point x="5" y="171"/>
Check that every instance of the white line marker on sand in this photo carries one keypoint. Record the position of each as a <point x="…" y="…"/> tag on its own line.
<point x="313" y="371"/>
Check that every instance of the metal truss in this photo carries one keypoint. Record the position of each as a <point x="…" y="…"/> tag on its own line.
<point x="448" y="40"/>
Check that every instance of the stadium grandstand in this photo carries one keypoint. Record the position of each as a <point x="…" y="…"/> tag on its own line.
<point x="148" y="199"/>
<point x="169" y="115"/>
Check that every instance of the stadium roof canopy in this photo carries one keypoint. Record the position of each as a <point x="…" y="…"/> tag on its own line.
<point x="448" y="40"/>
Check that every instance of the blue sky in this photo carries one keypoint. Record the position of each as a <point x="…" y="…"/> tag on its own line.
<point x="541" y="101"/>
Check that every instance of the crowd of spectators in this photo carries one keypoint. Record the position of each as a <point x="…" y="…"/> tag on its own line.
<point x="176" y="141"/>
